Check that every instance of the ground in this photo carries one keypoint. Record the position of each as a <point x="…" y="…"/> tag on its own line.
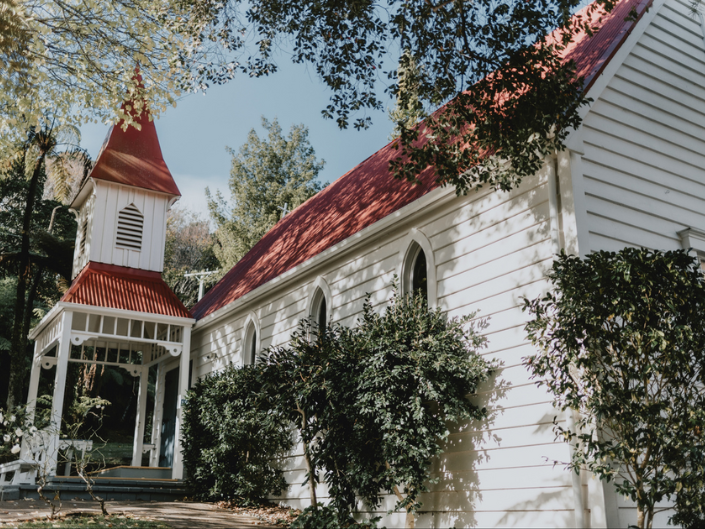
<point x="177" y="515"/>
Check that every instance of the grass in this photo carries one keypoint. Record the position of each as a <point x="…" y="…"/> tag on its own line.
<point x="87" y="520"/>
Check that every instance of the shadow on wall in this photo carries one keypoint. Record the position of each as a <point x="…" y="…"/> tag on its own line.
<point x="453" y="500"/>
<point x="532" y="511"/>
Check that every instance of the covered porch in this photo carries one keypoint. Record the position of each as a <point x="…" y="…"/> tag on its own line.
<point x="127" y="339"/>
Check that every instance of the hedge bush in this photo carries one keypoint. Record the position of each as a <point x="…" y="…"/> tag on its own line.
<point x="371" y="405"/>
<point x="232" y="437"/>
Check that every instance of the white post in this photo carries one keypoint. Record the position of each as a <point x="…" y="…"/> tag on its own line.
<point x="140" y="419"/>
<point x="32" y="396"/>
<point x="33" y="383"/>
<point x="155" y="440"/>
<point x="178" y="464"/>
<point x="57" y="403"/>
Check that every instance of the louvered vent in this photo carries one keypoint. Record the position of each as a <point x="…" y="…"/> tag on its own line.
<point x="129" y="229"/>
<point x="84" y="234"/>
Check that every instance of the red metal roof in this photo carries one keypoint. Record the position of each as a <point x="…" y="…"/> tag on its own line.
<point x="591" y="55"/>
<point x="133" y="157"/>
<point x="368" y="193"/>
<point x="118" y="287"/>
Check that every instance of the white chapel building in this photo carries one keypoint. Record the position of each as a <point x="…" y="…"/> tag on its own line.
<point x="632" y="175"/>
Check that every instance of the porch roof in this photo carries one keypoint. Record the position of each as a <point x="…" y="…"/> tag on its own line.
<point x="118" y="287"/>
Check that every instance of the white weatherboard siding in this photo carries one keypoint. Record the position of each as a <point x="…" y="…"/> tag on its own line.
<point x="101" y="209"/>
<point x="644" y="161"/>
<point x="644" y="141"/>
<point x="640" y="180"/>
<point x="490" y="249"/>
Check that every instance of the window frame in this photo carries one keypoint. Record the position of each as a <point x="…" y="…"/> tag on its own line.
<point x="251" y="327"/>
<point x="320" y="291"/>
<point x="414" y="242"/>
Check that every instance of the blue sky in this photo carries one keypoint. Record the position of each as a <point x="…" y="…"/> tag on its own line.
<point x="194" y="135"/>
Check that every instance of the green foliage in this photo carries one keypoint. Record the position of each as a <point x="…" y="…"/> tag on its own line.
<point x="621" y="340"/>
<point x="326" y="517"/>
<point x="36" y="235"/>
<point x="690" y="507"/>
<point x="84" y="417"/>
<point x="511" y="99"/>
<point x="267" y="174"/>
<point x="408" y="110"/>
<point x="75" y="62"/>
<point x="232" y="437"/>
<point x="371" y="404"/>
<point x="14" y="425"/>
<point x="418" y="371"/>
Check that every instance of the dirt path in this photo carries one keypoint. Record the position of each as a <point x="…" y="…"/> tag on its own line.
<point x="180" y="515"/>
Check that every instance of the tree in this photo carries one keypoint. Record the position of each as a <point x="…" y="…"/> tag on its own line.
<point x="34" y="249"/>
<point x="509" y="98"/>
<point x="267" y="175"/>
<point x="409" y="110"/>
<point x="75" y="61"/>
<point x="621" y="341"/>
<point x="189" y="247"/>
<point x="372" y="404"/>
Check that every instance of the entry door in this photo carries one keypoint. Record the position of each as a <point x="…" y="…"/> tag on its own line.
<point x="171" y="391"/>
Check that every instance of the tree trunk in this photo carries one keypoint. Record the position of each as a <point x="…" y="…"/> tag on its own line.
<point x="410" y="522"/>
<point x="311" y="478"/>
<point x="307" y="459"/>
<point x="18" y="347"/>
<point x="29" y="307"/>
<point x="644" y="517"/>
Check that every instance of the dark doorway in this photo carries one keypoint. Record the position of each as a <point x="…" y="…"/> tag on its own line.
<point x="171" y="390"/>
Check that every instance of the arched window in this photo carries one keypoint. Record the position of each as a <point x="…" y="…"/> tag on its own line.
<point x="415" y="271"/>
<point x="319" y="309"/>
<point x="129" y="228"/>
<point x="250" y="345"/>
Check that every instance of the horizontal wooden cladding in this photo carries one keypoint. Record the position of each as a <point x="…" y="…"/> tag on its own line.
<point x="129" y="226"/>
<point x="645" y="140"/>
<point x="475" y="212"/>
<point x="684" y="196"/>
<point x="491" y="249"/>
<point x="507" y="502"/>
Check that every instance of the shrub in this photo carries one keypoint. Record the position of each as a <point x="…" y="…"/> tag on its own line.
<point x="232" y="437"/>
<point x="14" y="425"/>
<point x="621" y="339"/>
<point x="327" y="517"/>
<point x="417" y="369"/>
<point x="371" y="404"/>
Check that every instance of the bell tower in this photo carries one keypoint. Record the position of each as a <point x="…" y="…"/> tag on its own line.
<point x="122" y="206"/>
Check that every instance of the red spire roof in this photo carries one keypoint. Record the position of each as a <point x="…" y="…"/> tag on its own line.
<point x="133" y="157"/>
<point x="118" y="287"/>
<point x="368" y="193"/>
